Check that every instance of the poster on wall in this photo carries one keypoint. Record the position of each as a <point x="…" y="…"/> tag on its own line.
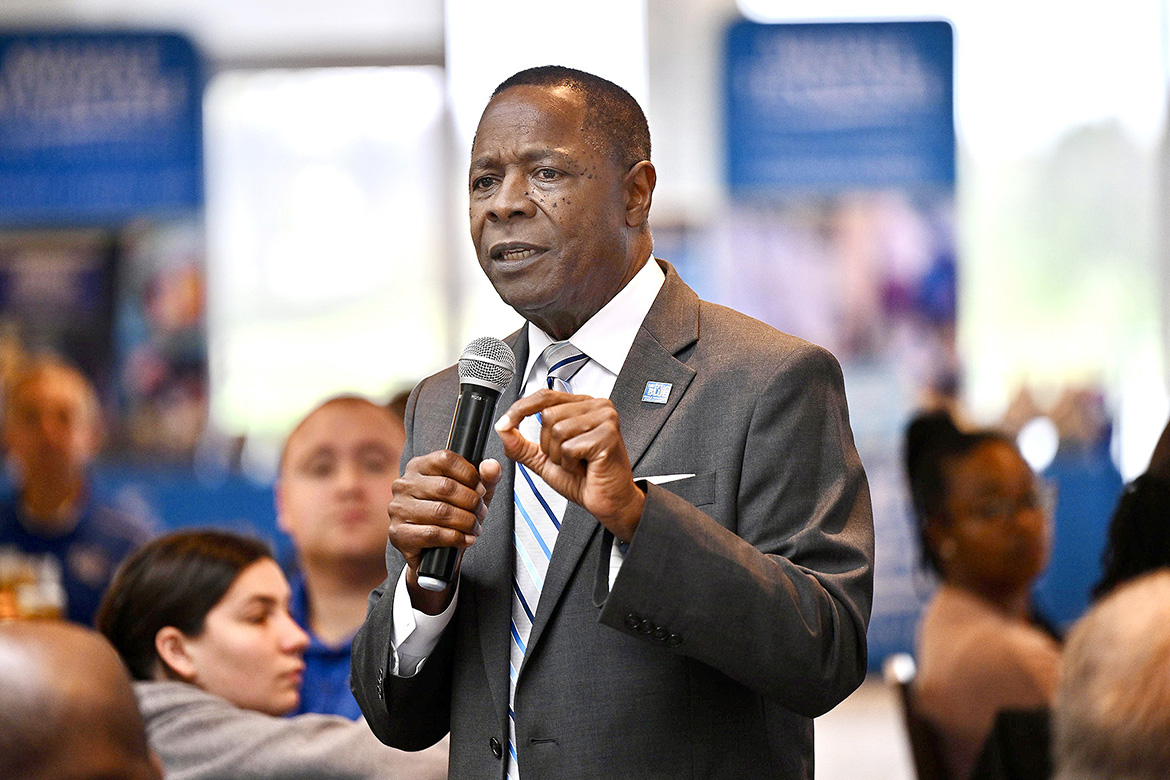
<point x="57" y="294"/>
<point x="98" y="127"/>
<point x="840" y="161"/>
<point x="101" y="207"/>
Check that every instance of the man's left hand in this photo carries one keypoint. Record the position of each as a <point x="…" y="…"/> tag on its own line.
<point x="581" y="455"/>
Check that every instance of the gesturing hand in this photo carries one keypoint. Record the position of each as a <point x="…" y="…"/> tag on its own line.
<point x="580" y="455"/>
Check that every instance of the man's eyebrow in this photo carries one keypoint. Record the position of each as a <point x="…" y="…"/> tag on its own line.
<point x="318" y="451"/>
<point x="373" y="445"/>
<point x="529" y="156"/>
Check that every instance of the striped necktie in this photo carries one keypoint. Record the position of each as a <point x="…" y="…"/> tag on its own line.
<point x="538" y="514"/>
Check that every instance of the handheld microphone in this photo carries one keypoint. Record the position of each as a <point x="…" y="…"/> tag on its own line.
<point x="485" y="370"/>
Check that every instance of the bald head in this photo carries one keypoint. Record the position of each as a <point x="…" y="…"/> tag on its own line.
<point x="67" y="710"/>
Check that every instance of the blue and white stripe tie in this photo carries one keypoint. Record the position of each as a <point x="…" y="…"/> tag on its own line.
<point x="539" y="510"/>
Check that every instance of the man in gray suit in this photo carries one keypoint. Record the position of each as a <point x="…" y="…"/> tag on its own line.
<point x="707" y="584"/>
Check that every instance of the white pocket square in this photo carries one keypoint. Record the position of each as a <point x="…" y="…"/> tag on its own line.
<point x="666" y="478"/>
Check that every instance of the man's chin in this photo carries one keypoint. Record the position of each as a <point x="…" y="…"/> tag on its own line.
<point x="363" y="556"/>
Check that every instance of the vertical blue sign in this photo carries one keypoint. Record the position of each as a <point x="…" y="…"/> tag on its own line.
<point x="833" y="105"/>
<point x="98" y="127"/>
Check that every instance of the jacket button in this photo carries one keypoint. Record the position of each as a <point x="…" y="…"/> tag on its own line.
<point x="646" y="627"/>
<point x="632" y="620"/>
<point x="661" y="634"/>
<point x="674" y="640"/>
<point x="497" y="750"/>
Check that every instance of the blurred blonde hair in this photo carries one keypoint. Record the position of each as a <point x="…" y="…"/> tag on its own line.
<point x="1111" y="717"/>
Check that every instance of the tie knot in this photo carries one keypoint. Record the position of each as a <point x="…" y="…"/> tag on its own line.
<point x="563" y="361"/>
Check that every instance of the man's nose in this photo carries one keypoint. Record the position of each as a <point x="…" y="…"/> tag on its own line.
<point x="49" y="427"/>
<point x="511" y="198"/>
<point x="349" y="475"/>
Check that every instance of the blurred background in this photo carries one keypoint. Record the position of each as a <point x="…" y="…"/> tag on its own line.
<point x="228" y="211"/>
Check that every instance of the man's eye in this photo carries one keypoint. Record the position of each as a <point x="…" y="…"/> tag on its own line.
<point x="994" y="510"/>
<point x="547" y="174"/>
<point x="376" y="464"/>
<point x="482" y="183"/>
<point x="319" y="468"/>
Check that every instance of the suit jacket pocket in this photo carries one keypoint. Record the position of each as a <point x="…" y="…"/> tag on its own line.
<point x="698" y="490"/>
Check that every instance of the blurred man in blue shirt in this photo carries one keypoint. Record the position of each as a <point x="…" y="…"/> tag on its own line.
<point x="56" y="540"/>
<point x="336" y="480"/>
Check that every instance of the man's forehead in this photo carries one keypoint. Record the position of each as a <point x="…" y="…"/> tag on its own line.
<point x="53" y="382"/>
<point x="322" y="427"/>
<point x="535" y="107"/>
<point x="54" y="389"/>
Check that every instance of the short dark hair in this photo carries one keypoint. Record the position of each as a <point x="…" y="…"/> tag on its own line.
<point x="933" y="442"/>
<point x="612" y="113"/>
<point x="174" y="580"/>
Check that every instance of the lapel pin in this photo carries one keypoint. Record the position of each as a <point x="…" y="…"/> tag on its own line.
<point x="656" y="392"/>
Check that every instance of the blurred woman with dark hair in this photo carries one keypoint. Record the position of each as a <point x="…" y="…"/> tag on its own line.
<point x="201" y="620"/>
<point x="985" y="532"/>
<point x="1139" y="532"/>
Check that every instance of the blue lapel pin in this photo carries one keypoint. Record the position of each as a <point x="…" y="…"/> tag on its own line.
<point x="656" y="392"/>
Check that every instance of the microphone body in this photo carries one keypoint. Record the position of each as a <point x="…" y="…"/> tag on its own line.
<point x="485" y="369"/>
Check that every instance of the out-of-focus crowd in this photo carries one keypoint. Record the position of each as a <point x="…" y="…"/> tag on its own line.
<point x="998" y="691"/>
<point x="209" y="659"/>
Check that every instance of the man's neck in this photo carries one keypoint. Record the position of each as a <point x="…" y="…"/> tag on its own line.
<point x="52" y="504"/>
<point x="561" y="325"/>
<point x="337" y="597"/>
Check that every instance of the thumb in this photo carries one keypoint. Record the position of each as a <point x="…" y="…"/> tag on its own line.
<point x="521" y="449"/>
<point x="489" y="474"/>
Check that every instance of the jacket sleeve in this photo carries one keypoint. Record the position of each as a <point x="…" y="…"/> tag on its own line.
<point x="210" y="738"/>
<point x="408" y="713"/>
<point x="777" y="596"/>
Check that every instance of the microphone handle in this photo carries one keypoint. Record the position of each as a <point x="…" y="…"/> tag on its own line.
<point x="474" y="412"/>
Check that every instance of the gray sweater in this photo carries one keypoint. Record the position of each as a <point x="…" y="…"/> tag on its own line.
<point x="200" y="736"/>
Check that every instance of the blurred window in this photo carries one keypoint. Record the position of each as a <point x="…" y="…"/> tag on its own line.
<point x="326" y="226"/>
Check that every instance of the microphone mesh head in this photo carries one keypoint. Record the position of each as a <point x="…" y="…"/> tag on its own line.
<point x="488" y="362"/>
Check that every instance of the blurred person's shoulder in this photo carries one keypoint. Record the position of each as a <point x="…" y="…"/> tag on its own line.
<point x="115" y="527"/>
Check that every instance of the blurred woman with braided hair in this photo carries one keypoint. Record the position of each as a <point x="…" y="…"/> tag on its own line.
<point x="985" y="529"/>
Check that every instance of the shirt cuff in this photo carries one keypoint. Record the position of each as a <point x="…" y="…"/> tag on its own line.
<point x="414" y="634"/>
<point x="617" y="555"/>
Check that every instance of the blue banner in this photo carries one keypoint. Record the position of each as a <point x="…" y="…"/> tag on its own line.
<point x="99" y="127"/>
<point x="839" y="105"/>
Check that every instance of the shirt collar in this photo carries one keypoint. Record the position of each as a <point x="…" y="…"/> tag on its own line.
<point x="608" y="335"/>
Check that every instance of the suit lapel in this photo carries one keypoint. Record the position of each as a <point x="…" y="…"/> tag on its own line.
<point x="670" y="326"/>
<point x="491" y="558"/>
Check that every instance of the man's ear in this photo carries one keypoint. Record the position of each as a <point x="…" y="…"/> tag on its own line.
<point x="639" y="184"/>
<point x="171" y="644"/>
<point x="278" y="496"/>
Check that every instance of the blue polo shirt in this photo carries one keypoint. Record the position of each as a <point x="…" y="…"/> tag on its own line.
<point x="326" y="683"/>
<point x="88" y="554"/>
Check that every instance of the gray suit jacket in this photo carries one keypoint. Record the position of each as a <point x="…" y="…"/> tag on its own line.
<point x="741" y="607"/>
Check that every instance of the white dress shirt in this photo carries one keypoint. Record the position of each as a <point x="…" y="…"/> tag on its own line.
<point x="606" y="338"/>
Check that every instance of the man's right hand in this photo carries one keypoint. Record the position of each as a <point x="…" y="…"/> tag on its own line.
<point x="439" y="501"/>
